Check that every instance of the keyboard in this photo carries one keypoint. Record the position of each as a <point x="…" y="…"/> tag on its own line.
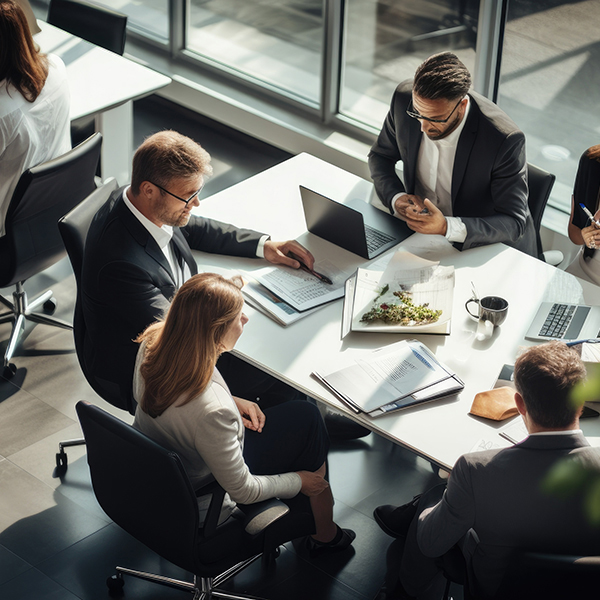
<point x="376" y="238"/>
<point x="560" y="318"/>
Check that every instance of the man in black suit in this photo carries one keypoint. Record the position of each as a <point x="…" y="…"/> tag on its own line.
<point x="137" y="254"/>
<point x="463" y="161"/>
<point x="498" y="500"/>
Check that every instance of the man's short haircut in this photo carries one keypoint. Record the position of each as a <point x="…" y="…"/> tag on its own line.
<point x="442" y="76"/>
<point x="545" y="375"/>
<point x="168" y="155"/>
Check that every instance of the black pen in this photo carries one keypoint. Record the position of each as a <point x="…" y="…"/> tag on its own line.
<point x="319" y="276"/>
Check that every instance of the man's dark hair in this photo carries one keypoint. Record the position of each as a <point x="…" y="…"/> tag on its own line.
<point x="545" y="376"/>
<point x="442" y="76"/>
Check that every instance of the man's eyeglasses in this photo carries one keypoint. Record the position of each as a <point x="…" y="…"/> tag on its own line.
<point x="179" y="197"/>
<point x="416" y="115"/>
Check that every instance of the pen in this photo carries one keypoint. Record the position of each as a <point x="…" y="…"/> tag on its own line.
<point x="319" y="276"/>
<point x="589" y="214"/>
<point x="577" y="342"/>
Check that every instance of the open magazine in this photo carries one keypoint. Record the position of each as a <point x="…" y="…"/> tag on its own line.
<point x="412" y="295"/>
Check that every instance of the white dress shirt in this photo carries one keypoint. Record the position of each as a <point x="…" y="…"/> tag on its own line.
<point x="435" y="165"/>
<point x="32" y="133"/>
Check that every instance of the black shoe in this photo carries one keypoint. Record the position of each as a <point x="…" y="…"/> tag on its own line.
<point x="340" y="427"/>
<point x="342" y="540"/>
<point x="395" y="520"/>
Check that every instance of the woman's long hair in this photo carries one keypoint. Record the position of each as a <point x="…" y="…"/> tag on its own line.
<point x="20" y="63"/>
<point x="182" y="350"/>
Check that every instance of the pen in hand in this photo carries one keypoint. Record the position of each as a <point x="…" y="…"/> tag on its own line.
<point x="319" y="276"/>
<point x="589" y="214"/>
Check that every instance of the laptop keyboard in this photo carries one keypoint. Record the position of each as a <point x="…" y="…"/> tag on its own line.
<point x="376" y="238"/>
<point x="563" y="317"/>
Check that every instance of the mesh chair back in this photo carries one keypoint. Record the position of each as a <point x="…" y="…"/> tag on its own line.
<point x="540" y="184"/>
<point x="42" y="196"/>
<point x="98" y="25"/>
<point x="141" y="486"/>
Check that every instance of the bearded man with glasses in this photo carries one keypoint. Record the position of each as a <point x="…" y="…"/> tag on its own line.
<point x="464" y="165"/>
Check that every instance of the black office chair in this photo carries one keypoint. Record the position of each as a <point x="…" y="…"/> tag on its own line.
<point x="540" y="185"/>
<point x="32" y="242"/>
<point x="96" y="24"/>
<point x="73" y="228"/>
<point x="548" y="576"/>
<point x="145" y="490"/>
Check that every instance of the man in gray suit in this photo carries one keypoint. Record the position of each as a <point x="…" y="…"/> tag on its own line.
<point x="497" y="500"/>
<point x="464" y="166"/>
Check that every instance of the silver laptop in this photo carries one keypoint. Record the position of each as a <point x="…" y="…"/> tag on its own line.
<point x="357" y="226"/>
<point x="566" y="322"/>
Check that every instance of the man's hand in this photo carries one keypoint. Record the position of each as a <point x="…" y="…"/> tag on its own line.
<point x="252" y="417"/>
<point x="276" y="253"/>
<point x="408" y="202"/>
<point x="432" y="222"/>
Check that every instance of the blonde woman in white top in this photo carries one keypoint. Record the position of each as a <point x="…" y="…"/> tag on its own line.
<point x="185" y="405"/>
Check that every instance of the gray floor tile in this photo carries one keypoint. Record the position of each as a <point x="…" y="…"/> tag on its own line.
<point x="37" y="522"/>
<point x="24" y="419"/>
<point x="11" y="565"/>
<point x="34" y="584"/>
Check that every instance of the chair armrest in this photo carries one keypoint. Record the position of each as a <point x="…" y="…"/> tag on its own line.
<point x="261" y="515"/>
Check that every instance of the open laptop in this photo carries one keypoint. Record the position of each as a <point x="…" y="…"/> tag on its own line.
<point x="566" y="322"/>
<point x="357" y="226"/>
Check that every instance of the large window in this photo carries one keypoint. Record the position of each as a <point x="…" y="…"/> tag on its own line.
<point x="276" y="42"/>
<point x="550" y="83"/>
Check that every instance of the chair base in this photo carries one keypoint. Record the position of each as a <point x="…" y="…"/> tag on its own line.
<point x="20" y="310"/>
<point x="203" y="588"/>
<point x="62" y="461"/>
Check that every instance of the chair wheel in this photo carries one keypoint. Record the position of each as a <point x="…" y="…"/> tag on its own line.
<point x="49" y="306"/>
<point x="61" y="464"/>
<point x="115" y="584"/>
<point x="10" y="370"/>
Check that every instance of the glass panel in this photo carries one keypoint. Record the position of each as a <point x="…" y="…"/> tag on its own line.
<point x="147" y="17"/>
<point x="386" y="40"/>
<point x="550" y="83"/>
<point x="275" y="41"/>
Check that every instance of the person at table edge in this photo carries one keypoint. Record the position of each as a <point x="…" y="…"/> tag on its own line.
<point x="502" y="499"/>
<point x="138" y="254"/>
<point x="463" y="160"/>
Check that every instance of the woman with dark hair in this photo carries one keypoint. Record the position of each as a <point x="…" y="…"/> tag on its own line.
<point x="34" y="103"/>
<point x="582" y="230"/>
<point x="185" y="405"/>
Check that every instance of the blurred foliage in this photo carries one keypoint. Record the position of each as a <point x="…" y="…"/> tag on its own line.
<point x="569" y="476"/>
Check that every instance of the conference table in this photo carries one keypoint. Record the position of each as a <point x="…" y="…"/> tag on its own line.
<point x="439" y="431"/>
<point x="103" y="84"/>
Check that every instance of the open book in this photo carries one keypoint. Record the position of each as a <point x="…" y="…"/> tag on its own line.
<point x="412" y="295"/>
<point x="391" y="378"/>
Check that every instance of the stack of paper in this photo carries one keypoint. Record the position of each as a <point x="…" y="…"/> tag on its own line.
<point x="391" y="378"/>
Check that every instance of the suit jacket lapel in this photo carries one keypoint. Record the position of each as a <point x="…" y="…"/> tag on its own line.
<point x="143" y="238"/>
<point x="183" y="247"/>
<point x="464" y="147"/>
<point x="414" y="143"/>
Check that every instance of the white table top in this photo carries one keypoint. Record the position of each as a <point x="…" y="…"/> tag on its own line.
<point x="99" y="80"/>
<point x="442" y="430"/>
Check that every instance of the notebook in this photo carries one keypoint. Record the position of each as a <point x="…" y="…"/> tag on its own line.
<point x="562" y="321"/>
<point x="358" y="227"/>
